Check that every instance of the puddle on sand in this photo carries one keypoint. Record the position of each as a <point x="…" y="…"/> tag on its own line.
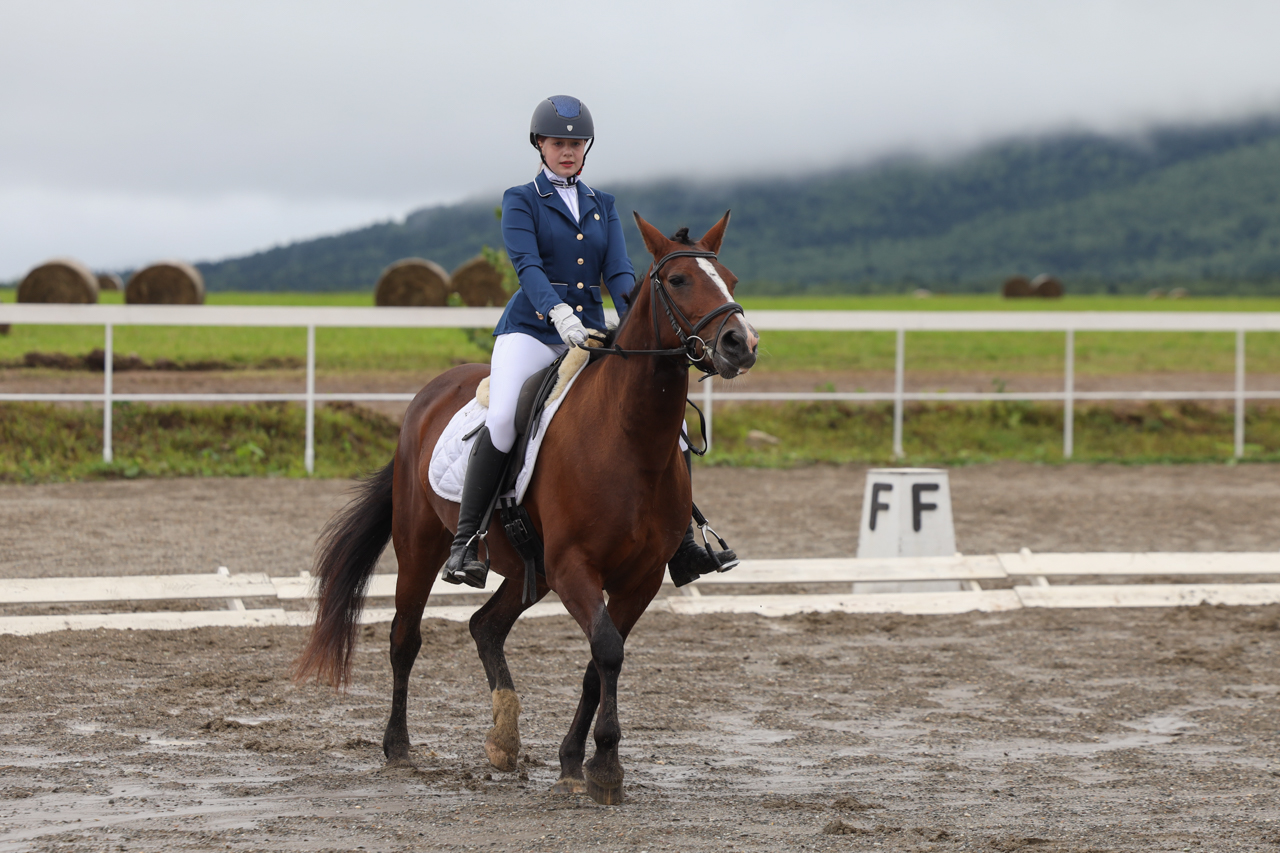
<point x="1168" y="724"/>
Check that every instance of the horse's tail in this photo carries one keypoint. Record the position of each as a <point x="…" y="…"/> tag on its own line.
<point x="350" y="546"/>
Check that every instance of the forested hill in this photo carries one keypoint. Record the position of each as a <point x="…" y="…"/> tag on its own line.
<point x="1191" y="204"/>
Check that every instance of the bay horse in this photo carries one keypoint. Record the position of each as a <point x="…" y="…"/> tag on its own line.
<point x="610" y="497"/>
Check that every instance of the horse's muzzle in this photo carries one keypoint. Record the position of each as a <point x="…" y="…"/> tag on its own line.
<point x="735" y="349"/>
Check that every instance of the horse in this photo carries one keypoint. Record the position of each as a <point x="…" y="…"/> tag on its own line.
<point x="610" y="497"/>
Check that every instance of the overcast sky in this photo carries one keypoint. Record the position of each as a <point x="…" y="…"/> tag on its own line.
<point x="134" y="130"/>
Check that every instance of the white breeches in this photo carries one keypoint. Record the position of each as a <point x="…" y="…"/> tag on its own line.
<point x="516" y="357"/>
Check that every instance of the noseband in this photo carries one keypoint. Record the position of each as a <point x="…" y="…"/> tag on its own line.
<point x="692" y="345"/>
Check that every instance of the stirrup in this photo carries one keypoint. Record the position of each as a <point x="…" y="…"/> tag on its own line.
<point x="470" y="571"/>
<point x="730" y="556"/>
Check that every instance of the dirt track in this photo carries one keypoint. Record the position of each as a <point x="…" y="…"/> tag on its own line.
<point x="1037" y="730"/>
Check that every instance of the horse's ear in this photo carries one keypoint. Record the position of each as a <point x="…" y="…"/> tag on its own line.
<point x="654" y="241"/>
<point x="713" y="238"/>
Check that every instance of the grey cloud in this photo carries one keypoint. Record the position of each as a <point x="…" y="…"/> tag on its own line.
<point x="392" y="104"/>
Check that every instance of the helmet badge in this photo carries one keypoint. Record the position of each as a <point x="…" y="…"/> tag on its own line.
<point x="569" y="127"/>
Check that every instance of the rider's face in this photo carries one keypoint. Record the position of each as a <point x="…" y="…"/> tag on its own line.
<point x="563" y="156"/>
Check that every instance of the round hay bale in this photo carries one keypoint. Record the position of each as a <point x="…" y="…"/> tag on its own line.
<point x="1016" y="287"/>
<point x="1179" y="293"/>
<point x="109" y="281"/>
<point x="1046" y="286"/>
<point x="59" y="280"/>
<point x="166" y="283"/>
<point x="412" y="282"/>
<point x="479" y="284"/>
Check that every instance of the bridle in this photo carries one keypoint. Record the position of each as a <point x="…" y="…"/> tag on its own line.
<point x="692" y="345"/>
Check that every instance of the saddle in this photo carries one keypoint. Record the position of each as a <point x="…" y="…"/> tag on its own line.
<point x="515" y="519"/>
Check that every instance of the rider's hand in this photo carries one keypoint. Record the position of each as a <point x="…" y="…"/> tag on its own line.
<point x="571" y="330"/>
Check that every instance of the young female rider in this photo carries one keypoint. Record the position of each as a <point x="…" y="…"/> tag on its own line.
<point x="563" y="238"/>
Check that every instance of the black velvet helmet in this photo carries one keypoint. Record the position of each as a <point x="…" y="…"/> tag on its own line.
<point x="562" y="117"/>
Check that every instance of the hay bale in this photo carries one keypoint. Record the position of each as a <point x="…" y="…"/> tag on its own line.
<point x="1046" y="287"/>
<point x="412" y="282"/>
<point x="59" y="280"/>
<point x="109" y="281"/>
<point x="479" y="284"/>
<point x="166" y="283"/>
<point x="1178" y="293"/>
<point x="1016" y="287"/>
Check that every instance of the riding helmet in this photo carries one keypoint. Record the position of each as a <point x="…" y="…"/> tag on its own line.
<point x="562" y="117"/>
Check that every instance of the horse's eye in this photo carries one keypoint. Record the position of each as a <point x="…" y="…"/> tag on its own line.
<point x="677" y="280"/>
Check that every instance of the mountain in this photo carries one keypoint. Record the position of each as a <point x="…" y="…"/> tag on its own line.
<point x="1174" y="205"/>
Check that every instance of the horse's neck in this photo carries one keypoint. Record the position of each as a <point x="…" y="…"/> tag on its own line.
<point x="649" y="391"/>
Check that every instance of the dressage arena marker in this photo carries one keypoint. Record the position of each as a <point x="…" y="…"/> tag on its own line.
<point x="1028" y="572"/>
<point x="906" y="512"/>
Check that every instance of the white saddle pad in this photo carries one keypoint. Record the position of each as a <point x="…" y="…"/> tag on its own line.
<point x="448" y="469"/>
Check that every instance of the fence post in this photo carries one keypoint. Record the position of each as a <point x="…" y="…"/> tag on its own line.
<point x="708" y="401"/>
<point x="108" y="365"/>
<point x="1239" y="393"/>
<point x="309" y="456"/>
<point x="899" y="368"/>
<point x="1069" y="398"/>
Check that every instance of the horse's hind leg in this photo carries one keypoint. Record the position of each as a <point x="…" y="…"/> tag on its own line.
<point x="421" y="543"/>
<point x="490" y="626"/>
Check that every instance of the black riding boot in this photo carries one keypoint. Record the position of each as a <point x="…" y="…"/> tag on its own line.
<point x="484" y="470"/>
<point x="691" y="560"/>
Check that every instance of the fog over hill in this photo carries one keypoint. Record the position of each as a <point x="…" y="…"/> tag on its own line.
<point x="1188" y="204"/>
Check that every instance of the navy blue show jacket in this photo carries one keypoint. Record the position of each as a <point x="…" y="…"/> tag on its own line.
<point x="560" y="260"/>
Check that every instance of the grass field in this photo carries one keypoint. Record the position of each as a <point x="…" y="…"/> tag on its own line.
<point x="45" y="443"/>
<point x="413" y="349"/>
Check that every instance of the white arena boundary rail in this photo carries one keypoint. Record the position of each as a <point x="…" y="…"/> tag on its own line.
<point x="1024" y="578"/>
<point x="900" y="322"/>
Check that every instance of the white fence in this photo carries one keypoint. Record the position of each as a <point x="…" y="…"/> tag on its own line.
<point x="900" y="322"/>
<point x="1023" y="578"/>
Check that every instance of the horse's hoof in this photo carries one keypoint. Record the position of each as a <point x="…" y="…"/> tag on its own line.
<point x="569" y="785"/>
<point x="499" y="757"/>
<point x="400" y="762"/>
<point x="605" y="795"/>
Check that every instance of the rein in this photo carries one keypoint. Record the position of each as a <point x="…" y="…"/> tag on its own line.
<point x="692" y="346"/>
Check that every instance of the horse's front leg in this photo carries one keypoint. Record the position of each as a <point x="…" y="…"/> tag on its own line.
<point x="573" y="750"/>
<point x="607" y="629"/>
<point x="489" y="628"/>
<point x="604" y="771"/>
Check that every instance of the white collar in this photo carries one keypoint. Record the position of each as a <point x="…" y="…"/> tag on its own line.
<point x="557" y="181"/>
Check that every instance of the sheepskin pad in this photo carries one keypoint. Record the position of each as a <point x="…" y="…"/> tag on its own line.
<point x="448" y="469"/>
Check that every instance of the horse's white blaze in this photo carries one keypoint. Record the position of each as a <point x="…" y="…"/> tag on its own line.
<point x="715" y="276"/>
<point x="707" y="267"/>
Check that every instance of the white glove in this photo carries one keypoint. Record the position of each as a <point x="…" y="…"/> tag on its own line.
<point x="571" y="330"/>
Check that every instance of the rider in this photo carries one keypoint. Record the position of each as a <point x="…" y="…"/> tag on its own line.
<point x="563" y="238"/>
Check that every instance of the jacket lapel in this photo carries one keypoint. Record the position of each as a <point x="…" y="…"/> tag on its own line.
<point x="586" y="200"/>
<point x="552" y="198"/>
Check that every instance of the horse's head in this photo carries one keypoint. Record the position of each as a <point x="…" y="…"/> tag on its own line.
<point x="691" y="296"/>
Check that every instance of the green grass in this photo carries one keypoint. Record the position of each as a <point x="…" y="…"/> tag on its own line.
<point x="959" y="434"/>
<point x="46" y="443"/>
<point x="348" y="350"/>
